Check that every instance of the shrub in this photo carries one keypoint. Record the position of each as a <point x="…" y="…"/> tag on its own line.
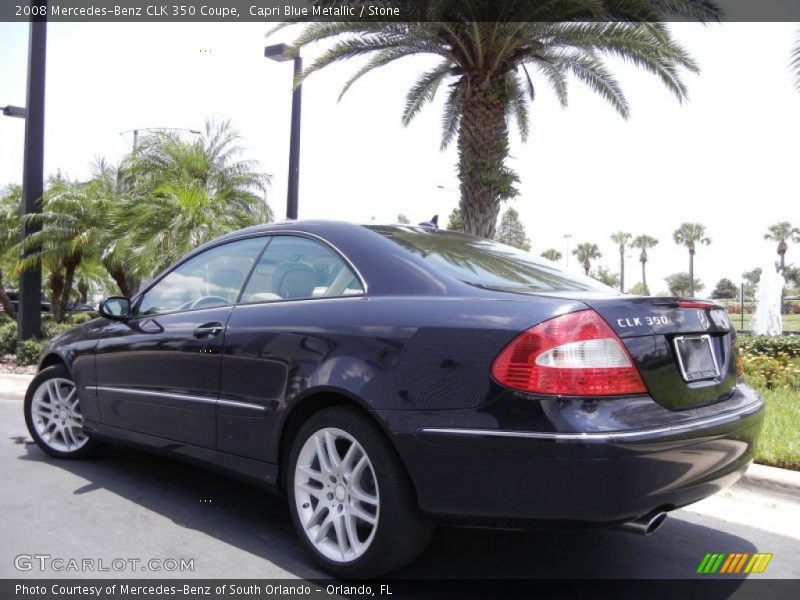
<point x="82" y="317"/>
<point x="29" y="351"/>
<point x="770" y="346"/>
<point x="8" y="338"/>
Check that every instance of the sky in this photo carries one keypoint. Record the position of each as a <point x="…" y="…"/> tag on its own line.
<point x="727" y="158"/>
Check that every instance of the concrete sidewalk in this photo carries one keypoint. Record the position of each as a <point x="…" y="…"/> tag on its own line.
<point x="13" y="387"/>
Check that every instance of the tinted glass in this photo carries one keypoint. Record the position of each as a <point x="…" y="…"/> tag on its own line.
<point x="295" y="267"/>
<point x="484" y="262"/>
<point x="213" y="278"/>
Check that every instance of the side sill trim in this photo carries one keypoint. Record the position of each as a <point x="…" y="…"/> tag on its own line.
<point x="603" y="436"/>
<point x="174" y="396"/>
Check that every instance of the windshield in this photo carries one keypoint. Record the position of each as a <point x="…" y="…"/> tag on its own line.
<point x="485" y="263"/>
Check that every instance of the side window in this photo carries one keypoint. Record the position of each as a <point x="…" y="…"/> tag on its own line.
<point x="213" y="278"/>
<point x="295" y="267"/>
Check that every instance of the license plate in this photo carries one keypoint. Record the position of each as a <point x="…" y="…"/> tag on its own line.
<point x="696" y="357"/>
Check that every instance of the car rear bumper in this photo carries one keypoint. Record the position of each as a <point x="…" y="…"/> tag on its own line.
<point x="595" y="476"/>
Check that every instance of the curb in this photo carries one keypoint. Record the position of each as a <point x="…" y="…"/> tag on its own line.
<point x="762" y="478"/>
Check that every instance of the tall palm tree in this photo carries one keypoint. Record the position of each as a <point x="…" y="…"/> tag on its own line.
<point x="551" y="254"/>
<point x="621" y="239"/>
<point x="689" y="235"/>
<point x="644" y="243"/>
<point x="781" y="233"/>
<point x="586" y="253"/>
<point x="10" y="208"/>
<point x="486" y="52"/>
<point x="795" y="65"/>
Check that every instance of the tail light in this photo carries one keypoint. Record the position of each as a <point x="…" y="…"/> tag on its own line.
<point x="576" y="354"/>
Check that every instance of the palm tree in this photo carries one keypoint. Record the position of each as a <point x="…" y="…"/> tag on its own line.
<point x="189" y="193"/>
<point x="486" y="52"/>
<point x="781" y="232"/>
<point x="621" y="238"/>
<point x="10" y="206"/>
<point x="551" y="254"/>
<point x="795" y="65"/>
<point x="689" y="235"/>
<point x="585" y="253"/>
<point x="72" y="222"/>
<point x="644" y="243"/>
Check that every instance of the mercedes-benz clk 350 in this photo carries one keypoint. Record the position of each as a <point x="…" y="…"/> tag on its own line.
<point x="386" y="378"/>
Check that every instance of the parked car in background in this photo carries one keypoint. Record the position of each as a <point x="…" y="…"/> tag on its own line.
<point x="45" y="305"/>
<point x="385" y="378"/>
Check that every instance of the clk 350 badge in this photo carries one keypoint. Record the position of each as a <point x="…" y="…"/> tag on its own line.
<point x="641" y="321"/>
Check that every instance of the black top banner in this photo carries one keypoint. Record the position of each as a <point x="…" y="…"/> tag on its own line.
<point x="232" y="11"/>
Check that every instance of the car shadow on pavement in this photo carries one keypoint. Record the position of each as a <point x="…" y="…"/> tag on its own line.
<point x="258" y="523"/>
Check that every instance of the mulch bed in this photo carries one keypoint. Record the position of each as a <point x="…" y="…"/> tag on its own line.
<point x="8" y="364"/>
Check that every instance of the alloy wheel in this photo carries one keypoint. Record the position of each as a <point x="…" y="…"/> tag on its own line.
<point x="56" y="415"/>
<point x="336" y="494"/>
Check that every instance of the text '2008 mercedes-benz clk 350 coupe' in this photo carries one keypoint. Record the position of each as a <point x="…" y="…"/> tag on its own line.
<point x="385" y="378"/>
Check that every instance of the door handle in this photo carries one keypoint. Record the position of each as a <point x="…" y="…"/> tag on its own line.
<point x="208" y="330"/>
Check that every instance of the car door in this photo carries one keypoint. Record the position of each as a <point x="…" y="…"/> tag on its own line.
<point x="273" y="341"/>
<point x="158" y="373"/>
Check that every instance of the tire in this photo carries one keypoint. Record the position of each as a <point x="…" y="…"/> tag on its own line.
<point x="358" y="518"/>
<point x="53" y="415"/>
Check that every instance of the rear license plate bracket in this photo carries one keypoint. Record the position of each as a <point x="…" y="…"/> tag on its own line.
<point x="696" y="357"/>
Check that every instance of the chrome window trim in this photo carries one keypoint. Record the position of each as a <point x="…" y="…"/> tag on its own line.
<point x="601" y="436"/>
<point x="268" y="234"/>
<point x="174" y="396"/>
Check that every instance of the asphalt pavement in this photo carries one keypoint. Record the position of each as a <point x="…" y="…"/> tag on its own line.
<point x="134" y="506"/>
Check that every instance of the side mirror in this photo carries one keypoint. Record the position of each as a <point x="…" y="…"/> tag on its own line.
<point x="117" y="308"/>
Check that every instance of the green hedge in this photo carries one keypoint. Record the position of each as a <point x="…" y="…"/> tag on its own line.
<point x="771" y="346"/>
<point x="28" y="352"/>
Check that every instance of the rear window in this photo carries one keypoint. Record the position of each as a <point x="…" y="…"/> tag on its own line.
<point x="485" y="263"/>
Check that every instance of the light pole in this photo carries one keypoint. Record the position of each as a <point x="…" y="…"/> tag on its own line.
<point x="30" y="280"/>
<point x="280" y="53"/>
<point x="567" y="237"/>
<point x="135" y="132"/>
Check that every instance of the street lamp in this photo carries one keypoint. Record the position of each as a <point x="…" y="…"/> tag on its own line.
<point x="14" y="111"/>
<point x="567" y="237"/>
<point x="135" y="132"/>
<point x="30" y="280"/>
<point x="280" y="53"/>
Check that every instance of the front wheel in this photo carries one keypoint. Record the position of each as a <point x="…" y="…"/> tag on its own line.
<point x="53" y="415"/>
<point x="350" y="497"/>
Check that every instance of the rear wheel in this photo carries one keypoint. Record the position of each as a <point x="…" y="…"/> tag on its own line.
<point x="350" y="497"/>
<point x="53" y="415"/>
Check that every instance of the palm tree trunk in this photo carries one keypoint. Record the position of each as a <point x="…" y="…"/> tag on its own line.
<point x="56" y="291"/>
<point x="5" y="300"/>
<point x="120" y="277"/>
<point x="691" y="274"/>
<point x="644" y="276"/>
<point x="70" y="265"/>
<point x="482" y="150"/>
<point x="622" y="268"/>
<point x="586" y="266"/>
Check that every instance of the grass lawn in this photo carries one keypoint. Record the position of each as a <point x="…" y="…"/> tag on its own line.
<point x="780" y="439"/>
<point x="790" y="322"/>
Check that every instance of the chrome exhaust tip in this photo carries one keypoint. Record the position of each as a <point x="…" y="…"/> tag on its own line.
<point x="645" y="525"/>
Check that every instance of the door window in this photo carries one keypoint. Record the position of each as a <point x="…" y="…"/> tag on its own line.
<point x="213" y="278"/>
<point x="294" y="267"/>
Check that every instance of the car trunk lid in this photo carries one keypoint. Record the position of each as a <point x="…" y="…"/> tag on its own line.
<point x="684" y="348"/>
